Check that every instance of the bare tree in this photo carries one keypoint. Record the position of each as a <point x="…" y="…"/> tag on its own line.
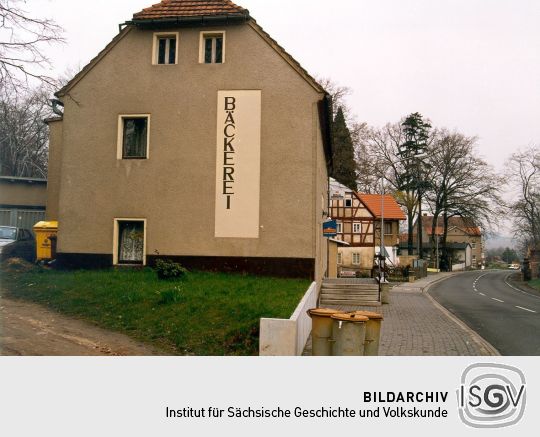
<point x="339" y="95"/>
<point x="523" y="170"/>
<point x="461" y="184"/>
<point x="23" y="39"/>
<point x="381" y="159"/>
<point x="366" y="171"/>
<point x="23" y="134"/>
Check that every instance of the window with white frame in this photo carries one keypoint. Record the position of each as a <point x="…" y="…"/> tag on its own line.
<point x="340" y="258"/>
<point x="212" y="48"/>
<point x="348" y="203"/>
<point x="339" y="227"/>
<point x="133" y="136"/>
<point x="356" y="259"/>
<point x="474" y="259"/>
<point x="165" y="49"/>
<point x="473" y="245"/>
<point x="356" y="228"/>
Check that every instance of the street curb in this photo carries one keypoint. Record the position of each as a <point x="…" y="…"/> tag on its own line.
<point x="519" y="287"/>
<point x="477" y="338"/>
<point x="411" y="284"/>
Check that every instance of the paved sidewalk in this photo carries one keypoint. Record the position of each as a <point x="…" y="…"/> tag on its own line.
<point x="414" y="324"/>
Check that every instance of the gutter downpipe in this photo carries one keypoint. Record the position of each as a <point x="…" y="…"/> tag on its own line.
<point x="381" y="250"/>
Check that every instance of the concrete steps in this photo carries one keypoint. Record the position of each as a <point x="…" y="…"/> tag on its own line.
<point x="361" y="292"/>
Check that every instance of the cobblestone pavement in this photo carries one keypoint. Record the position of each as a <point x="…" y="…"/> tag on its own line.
<point x="416" y="325"/>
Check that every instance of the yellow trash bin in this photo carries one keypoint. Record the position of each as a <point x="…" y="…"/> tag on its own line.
<point x="46" y="233"/>
<point x="373" y="332"/>
<point x="321" y="332"/>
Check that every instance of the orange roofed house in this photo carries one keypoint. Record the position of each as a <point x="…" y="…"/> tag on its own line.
<point x="358" y="219"/>
<point x="192" y="136"/>
<point x="465" y="241"/>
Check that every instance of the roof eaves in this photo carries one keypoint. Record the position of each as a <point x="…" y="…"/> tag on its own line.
<point x="286" y="56"/>
<point x="184" y="21"/>
<point x="88" y="67"/>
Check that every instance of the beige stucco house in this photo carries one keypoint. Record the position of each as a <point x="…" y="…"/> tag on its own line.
<point x="192" y="136"/>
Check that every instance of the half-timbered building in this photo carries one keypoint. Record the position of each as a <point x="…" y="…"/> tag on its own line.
<point x="358" y="217"/>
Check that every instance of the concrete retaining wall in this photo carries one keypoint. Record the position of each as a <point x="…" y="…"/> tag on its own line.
<point x="288" y="337"/>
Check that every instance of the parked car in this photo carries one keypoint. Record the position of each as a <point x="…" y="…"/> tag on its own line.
<point x="13" y="238"/>
<point x="514" y="266"/>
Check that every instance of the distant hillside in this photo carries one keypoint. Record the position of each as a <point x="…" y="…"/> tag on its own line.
<point x="496" y="241"/>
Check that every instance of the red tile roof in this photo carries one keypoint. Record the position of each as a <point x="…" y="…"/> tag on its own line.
<point x="189" y="8"/>
<point x="373" y="202"/>
<point x="465" y="224"/>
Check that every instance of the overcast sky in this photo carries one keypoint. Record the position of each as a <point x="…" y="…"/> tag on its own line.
<point x="470" y="65"/>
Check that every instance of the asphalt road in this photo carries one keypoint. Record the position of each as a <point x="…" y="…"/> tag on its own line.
<point x="506" y="317"/>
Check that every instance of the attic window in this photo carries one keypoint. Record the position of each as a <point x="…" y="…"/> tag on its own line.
<point x="348" y="203"/>
<point x="212" y="48"/>
<point x="165" y="48"/>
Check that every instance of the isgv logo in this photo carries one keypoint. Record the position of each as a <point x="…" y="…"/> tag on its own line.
<point x="491" y="395"/>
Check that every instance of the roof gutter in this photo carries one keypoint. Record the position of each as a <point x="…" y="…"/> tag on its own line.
<point x="325" y="121"/>
<point x="208" y="20"/>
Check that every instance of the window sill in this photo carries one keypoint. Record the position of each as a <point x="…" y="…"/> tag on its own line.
<point x="138" y="264"/>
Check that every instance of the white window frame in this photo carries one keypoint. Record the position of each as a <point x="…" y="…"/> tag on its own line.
<point x="356" y="254"/>
<point x="202" y="36"/>
<point x="339" y="258"/>
<point x="357" y="228"/>
<point x="350" y="201"/>
<point x="116" y="235"/>
<point x="473" y="246"/>
<point x="120" y="138"/>
<point x="339" y="228"/>
<point x="155" y="46"/>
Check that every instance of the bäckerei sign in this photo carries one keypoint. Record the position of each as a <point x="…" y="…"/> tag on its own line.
<point x="238" y="164"/>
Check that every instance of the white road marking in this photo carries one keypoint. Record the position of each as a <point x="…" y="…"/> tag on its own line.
<point x="481" y="294"/>
<point x="526" y="309"/>
<point x="498" y="300"/>
<point x="475" y="283"/>
<point x="517" y="289"/>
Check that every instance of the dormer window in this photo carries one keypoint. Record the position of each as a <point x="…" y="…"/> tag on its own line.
<point x="212" y="48"/>
<point x="165" y="48"/>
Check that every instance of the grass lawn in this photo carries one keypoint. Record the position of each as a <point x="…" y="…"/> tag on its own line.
<point x="203" y="314"/>
<point x="535" y="283"/>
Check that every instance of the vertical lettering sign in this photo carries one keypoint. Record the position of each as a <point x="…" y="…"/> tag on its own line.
<point x="238" y="164"/>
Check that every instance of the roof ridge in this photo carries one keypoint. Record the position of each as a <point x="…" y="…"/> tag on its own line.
<point x="189" y="8"/>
